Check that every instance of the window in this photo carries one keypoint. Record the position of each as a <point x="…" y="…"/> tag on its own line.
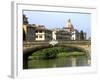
<point x="40" y="36"/>
<point x="36" y="36"/>
<point x="36" y="31"/>
<point x="40" y="31"/>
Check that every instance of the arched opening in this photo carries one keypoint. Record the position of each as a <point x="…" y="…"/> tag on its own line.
<point x="48" y="52"/>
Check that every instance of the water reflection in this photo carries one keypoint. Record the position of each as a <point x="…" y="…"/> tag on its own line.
<point x="59" y="62"/>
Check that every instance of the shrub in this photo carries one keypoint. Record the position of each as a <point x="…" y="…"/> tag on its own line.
<point x="51" y="53"/>
<point x="48" y="53"/>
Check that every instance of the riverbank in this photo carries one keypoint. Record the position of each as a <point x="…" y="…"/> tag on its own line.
<point x="52" y="53"/>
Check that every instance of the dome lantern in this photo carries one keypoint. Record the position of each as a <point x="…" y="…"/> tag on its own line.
<point x="69" y="24"/>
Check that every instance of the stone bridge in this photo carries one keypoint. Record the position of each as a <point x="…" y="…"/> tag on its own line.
<point x="30" y="47"/>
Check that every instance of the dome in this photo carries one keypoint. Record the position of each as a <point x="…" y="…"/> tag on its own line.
<point x="69" y="24"/>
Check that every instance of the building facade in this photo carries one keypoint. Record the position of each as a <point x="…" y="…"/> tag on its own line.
<point x="75" y="35"/>
<point x="43" y="34"/>
<point x="66" y="33"/>
<point x="63" y="35"/>
<point x="36" y="32"/>
<point x="30" y="33"/>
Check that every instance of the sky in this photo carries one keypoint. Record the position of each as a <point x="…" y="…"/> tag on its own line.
<point x="80" y="21"/>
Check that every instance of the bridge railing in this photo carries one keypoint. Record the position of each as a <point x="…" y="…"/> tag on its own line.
<point x="59" y="42"/>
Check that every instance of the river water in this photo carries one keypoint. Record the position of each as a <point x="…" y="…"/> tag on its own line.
<point x="59" y="62"/>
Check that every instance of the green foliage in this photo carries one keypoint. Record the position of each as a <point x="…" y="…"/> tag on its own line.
<point x="64" y="54"/>
<point x="51" y="53"/>
<point x="48" y="53"/>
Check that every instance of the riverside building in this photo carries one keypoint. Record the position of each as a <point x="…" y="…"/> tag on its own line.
<point x="36" y="32"/>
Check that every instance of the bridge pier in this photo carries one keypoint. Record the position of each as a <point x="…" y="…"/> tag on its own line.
<point x="73" y="61"/>
<point x="25" y="62"/>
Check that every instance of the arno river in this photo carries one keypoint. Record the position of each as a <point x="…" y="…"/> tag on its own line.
<point x="59" y="62"/>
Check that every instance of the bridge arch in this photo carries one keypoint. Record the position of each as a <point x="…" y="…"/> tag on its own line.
<point x="27" y="52"/>
<point x="30" y="47"/>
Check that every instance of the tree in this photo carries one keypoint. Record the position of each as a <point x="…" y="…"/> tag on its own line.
<point x="81" y="35"/>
